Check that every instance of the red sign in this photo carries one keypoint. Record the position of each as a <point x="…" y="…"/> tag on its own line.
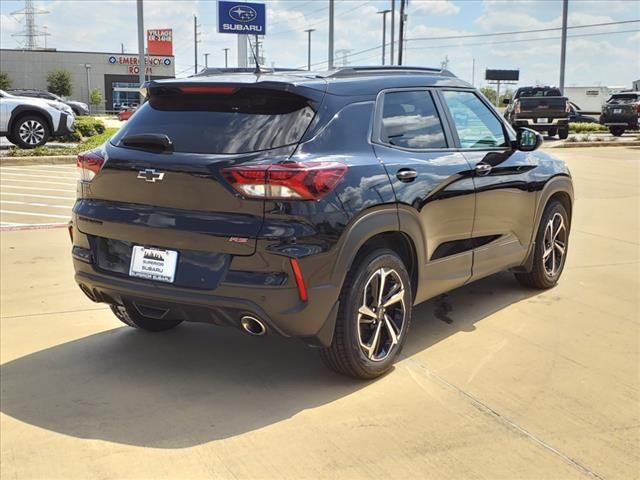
<point x="160" y="41"/>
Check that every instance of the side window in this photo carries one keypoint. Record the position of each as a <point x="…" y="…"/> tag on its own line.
<point x="476" y="125"/>
<point x="410" y="120"/>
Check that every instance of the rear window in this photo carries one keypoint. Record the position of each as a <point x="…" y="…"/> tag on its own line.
<point x="539" y="92"/>
<point x="241" y="120"/>
<point x="622" y="99"/>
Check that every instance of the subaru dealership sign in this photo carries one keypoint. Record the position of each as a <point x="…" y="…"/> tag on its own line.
<point x="242" y="18"/>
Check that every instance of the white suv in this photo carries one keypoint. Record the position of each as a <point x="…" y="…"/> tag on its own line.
<point x="29" y="122"/>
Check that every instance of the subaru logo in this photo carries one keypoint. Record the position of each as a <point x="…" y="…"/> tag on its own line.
<point x="243" y="13"/>
<point x="150" y="175"/>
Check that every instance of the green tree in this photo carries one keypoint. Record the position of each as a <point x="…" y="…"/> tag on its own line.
<point x="5" y="81"/>
<point x="96" y="98"/>
<point x="59" y="82"/>
<point x="491" y="93"/>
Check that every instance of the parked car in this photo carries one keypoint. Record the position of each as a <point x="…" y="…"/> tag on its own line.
<point x="317" y="206"/>
<point x="576" y="115"/>
<point x="78" y="108"/>
<point x="125" y="113"/>
<point x="621" y="112"/>
<point x="542" y="109"/>
<point x="30" y="122"/>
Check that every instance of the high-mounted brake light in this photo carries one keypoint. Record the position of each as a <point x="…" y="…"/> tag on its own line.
<point x="286" y="181"/>
<point x="208" y="89"/>
<point x="89" y="164"/>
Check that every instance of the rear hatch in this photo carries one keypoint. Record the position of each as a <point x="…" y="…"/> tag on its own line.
<point x="621" y="107"/>
<point x="161" y="182"/>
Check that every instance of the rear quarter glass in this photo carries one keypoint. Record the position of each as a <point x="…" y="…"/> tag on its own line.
<point x="242" y="120"/>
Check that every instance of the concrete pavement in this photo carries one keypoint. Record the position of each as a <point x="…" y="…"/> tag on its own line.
<point x="495" y="381"/>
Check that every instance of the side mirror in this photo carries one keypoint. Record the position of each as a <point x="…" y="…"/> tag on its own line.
<point x="528" y="140"/>
<point x="506" y="101"/>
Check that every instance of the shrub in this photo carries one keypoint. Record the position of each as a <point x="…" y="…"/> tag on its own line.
<point x="89" y="126"/>
<point x="59" y="82"/>
<point x="587" y="128"/>
<point x="73" y="137"/>
<point x="5" y="81"/>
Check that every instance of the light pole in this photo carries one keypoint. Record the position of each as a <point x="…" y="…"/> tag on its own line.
<point x="331" y="16"/>
<point x="206" y="60"/>
<point x="87" y="67"/>
<point x="309" y="30"/>
<point x="141" y="65"/>
<point x="563" y="49"/>
<point x="226" y="57"/>
<point x="384" y="32"/>
<point x="393" y="30"/>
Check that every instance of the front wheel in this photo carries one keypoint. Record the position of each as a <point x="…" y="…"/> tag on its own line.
<point x="616" y="131"/>
<point x="563" y="133"/>
<point x="552" y="132"/>
<point x="131" y="317"/>
<point x="373" y="317"/>
<point x="29" y="132"/>
<point x="550" y="250"/>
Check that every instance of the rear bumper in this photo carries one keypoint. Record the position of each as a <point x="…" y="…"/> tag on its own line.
<point x="533" y="124"/>
<point x="279" y="307"/>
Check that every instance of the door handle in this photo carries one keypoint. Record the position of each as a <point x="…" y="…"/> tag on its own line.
<point x="406" y="175"/>
<point x="483" y="169"/>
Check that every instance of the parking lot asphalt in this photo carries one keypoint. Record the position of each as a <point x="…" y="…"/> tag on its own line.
<point x="495" y="381"/>
<point x="36" y="195"/>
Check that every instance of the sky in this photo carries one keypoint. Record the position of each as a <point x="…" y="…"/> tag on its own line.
<point x="603" y="55"/>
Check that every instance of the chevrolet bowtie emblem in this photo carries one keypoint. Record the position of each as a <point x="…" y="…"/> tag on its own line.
<point x="150" y="175"/>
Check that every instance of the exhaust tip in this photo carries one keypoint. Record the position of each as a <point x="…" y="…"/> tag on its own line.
<point x="253" y="326"/>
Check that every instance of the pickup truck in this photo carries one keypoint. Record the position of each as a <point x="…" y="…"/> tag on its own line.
<point x="621" y="112"/>
<point x="543" y="109"/>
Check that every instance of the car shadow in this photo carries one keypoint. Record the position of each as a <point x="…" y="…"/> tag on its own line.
<point x="197" y="383"/>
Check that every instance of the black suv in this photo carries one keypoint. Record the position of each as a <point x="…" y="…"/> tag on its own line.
<point x="621" y="112"/>
<point x="317" y="206"/>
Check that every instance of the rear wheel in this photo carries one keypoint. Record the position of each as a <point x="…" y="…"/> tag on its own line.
<point x="29" y="131"/>
<point x="550" y="252"/>
<point x="552" y="132"/>
<point x="374" y="317"/>
<point x="617" y="131"/>
<point x="129" y="316"/>
<point x="563" y="133"/>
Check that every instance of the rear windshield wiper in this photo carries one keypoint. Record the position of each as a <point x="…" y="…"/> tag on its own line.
<point x="148" y="141"/>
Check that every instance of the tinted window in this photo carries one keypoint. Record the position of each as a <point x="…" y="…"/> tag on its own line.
<point x="622" y="99"/>
<point x="539" y="92"/>
<point x="246" y="120"/>
<point x="476" y="125"/>
<point x="410" y="120"/>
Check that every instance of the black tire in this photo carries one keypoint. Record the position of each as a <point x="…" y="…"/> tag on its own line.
<point x="617" y="131"/>
<point x="552" y="132"/>
<point x="540" y="276"/>
<point x="346" y="355"/>
<point x="132" y="318"/>
<point x="30" y="123"/>
<point x="563" y="133"/>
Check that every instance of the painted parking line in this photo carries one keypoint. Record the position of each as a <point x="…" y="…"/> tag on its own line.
<point x="10" y="175"/>
<point x="31" y="204"/>
<point x="37" y="189"/>
<point x="44" y="182"/>
<point x="30" y="195"/>
<point x="48" y="215"/>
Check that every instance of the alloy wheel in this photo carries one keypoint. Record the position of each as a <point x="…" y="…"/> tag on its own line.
<point x="382" y="314"/>
<point x="555" y="245"/>
<point x="31" y="132"/>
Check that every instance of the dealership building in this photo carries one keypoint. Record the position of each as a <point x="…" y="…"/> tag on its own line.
<point x="115" y="74"/>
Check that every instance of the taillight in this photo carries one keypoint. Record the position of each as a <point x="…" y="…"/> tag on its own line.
<point x="89" y="164"/>
<point x="516" y="106"/>
<point x="638" y="108"/>
<point x="286" y="181"/>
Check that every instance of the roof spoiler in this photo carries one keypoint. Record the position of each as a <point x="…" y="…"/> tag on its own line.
<point x="387" y="70"/>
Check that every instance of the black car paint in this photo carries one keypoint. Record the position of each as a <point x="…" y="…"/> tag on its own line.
<point x="225" y="279"/>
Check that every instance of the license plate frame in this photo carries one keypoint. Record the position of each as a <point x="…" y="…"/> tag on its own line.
<point x="617" y="111"/>
<point x="543" y="120"/>
<point x="152" y="263"/>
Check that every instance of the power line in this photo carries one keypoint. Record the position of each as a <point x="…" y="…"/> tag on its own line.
<point x="322" y="20"/>
<point x="539" y="30"/>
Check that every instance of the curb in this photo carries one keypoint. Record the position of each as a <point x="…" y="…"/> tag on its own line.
<point x="596" y="144"/>
<point x="60" y="159"/>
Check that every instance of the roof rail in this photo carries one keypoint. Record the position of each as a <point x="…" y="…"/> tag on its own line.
<point x="386" y="70"/>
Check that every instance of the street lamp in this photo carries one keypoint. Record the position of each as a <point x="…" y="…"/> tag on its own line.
<point x="309" y="47"/>
<point x="87" y="67"/>
<point x="384" y="32"/>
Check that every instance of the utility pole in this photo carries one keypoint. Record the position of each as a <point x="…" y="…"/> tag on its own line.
<point x="393" y="31"/>
<point x="226" y="57"/>
<point x="563" y="50"/>
<point x="309" y="30"/>
<point x="401" y="32"/>
<point x="384" y="33"/>
<point x="206" y="60"/>
<point x="195" y="43"/>
<point x="331" y="15"/>
<point x="257" y="50"/>
<point x="141" y="64"/>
